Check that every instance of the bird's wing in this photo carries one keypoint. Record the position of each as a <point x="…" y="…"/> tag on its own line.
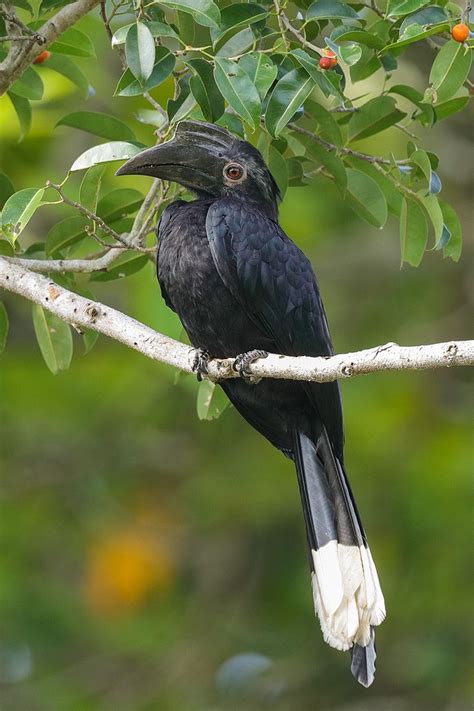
<point x="274" y="282"/>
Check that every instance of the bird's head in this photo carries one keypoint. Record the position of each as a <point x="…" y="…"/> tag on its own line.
<point x="211" y="162"/>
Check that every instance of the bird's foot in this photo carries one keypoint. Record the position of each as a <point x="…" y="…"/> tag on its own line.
<point x="242" y="362"/>
<point x="200" y="362"/>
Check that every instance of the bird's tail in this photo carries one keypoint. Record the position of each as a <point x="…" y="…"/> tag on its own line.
<point x="346" y="590"/>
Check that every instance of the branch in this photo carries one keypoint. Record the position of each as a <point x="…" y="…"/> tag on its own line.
<point x="342" y="149"/>
<point x="84" y="313"/>
<point x="84" y="266"/>
<point x="16" y="62"/>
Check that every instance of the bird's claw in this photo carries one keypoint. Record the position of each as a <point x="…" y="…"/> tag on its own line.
<point x="242" y="362"/>
<point x="200" y="362"/>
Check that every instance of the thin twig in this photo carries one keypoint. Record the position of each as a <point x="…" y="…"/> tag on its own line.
<point x="343" y="149"/>
<point x="124" y="240"/>
<point x="298" y="35"/>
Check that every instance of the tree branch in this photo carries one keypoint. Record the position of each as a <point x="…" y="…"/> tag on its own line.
<point x="84" y="313"/>
<point x="16" y="61"/>
<point x="83" y="266"/>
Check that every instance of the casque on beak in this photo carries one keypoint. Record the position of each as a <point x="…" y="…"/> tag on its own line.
<point x="194" y="157"/>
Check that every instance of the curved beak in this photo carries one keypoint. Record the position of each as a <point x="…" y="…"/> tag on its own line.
<point x="194" y="157"/>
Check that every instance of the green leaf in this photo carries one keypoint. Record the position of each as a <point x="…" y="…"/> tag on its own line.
<point x="328" y="127"/>
<point x="450" y="69"/>
<point x="150" y="117"/>
<point x="373" y="117"/>
<point x="204" y="89"/>
<point x="19" y="209"/>
<point x="54" y="339"/>
<point x="29" y="85"/>
<point x="140" y="51"/>
<point x="205" y="12"/>
<point x="90" y="187"/>
<point x="129" y="263"/>
<point x="89" y="339"/>
<point x="420" y="159"/>
<point x="211" y="401"/>
<point x="395" y="8"/>
<point x="118" y="203"/>
<point x="391" y="192"/>
<point x="240" y="15"/>
<point x="452" y="106"/>
<point x="106" y="153"/>
<point x="24" y="5"/>
<point x="278" y="168"/>
<point x="369" y="39"/>
<point x="237" y="44"/>
<point x="431" y="15"/>
<point x="157" y="29"/>
<point x="366" y="198"/>
<point x="164" y="65"/>
<point x="349" y="53"/>
<point x="65" y="66"/>
<point x="322" y="78"/>
<point x="3" y="327"/>
<point x="261" y="70"/>
<point x="236" y="87"/>
<point x="453" y="247"/>
<point x="329" y="10"/>
<point x="287" y="97"/>
<point x="433" y="210"/>
<point x="6" y="189"/>
<point x="99" y="124"/>
<point x="65" y="233"/>
<point x="330" y="161"/>
<point x="23" y="111"/>
<point x="413" y="232"/>
<point x="427" y="114"/>
<point x="414" y="33"/>
<point x="73" y="42"/>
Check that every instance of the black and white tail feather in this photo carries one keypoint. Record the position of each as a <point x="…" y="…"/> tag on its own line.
<point x="347" y="596"/>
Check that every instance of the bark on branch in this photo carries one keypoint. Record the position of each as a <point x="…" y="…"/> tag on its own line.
<point x="84" y="313"/>
<point x="17" y="61"/>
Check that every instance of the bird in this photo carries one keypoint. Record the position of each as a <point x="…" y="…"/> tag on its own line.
<point x="242" y="288"/>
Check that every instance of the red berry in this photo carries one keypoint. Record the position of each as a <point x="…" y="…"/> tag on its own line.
<point x="42" y="57"/>
<point x="326" y="62"/>
<point x="460" y="32"/>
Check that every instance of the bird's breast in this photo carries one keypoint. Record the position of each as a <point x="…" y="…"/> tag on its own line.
<point x="212" y="317"/>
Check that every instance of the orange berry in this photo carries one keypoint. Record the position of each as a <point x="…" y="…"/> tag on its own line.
<point x="327" y="62"/>
<point x="42" y="57"/>
<point x="460" y="32"/>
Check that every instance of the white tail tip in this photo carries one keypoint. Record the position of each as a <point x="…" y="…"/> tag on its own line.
<point x="347" y="595"/>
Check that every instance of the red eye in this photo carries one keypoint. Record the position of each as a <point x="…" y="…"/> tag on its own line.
<point x="233" y="171"/>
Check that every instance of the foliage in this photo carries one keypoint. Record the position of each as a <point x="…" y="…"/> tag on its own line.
<point x="254" y="69"/>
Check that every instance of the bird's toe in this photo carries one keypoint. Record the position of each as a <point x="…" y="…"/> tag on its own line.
<point x="242" y="362"/>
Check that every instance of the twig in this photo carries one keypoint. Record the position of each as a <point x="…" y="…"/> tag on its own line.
<point x="136" y="234"/>
<point x="298" y="35"/>
<point x="84" y="313"/>
<point x="343" y="149"/>
<point x="125" y="241"/>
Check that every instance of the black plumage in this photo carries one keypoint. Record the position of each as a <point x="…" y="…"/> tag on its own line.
<point x="238" y="283"/>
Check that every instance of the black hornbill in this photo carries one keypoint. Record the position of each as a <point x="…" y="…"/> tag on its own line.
<point x="241" y="286"/>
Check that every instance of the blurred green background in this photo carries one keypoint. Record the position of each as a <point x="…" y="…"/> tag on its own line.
<point x="150" y="561"/>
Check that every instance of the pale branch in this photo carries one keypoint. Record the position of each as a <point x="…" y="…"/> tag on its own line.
<point x="84" y="266"/>
<point x="84" y="313"/>
<point x="15" y="63"/>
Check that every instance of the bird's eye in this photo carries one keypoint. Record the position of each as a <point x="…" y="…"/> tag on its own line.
<point x="233" y="171"/>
